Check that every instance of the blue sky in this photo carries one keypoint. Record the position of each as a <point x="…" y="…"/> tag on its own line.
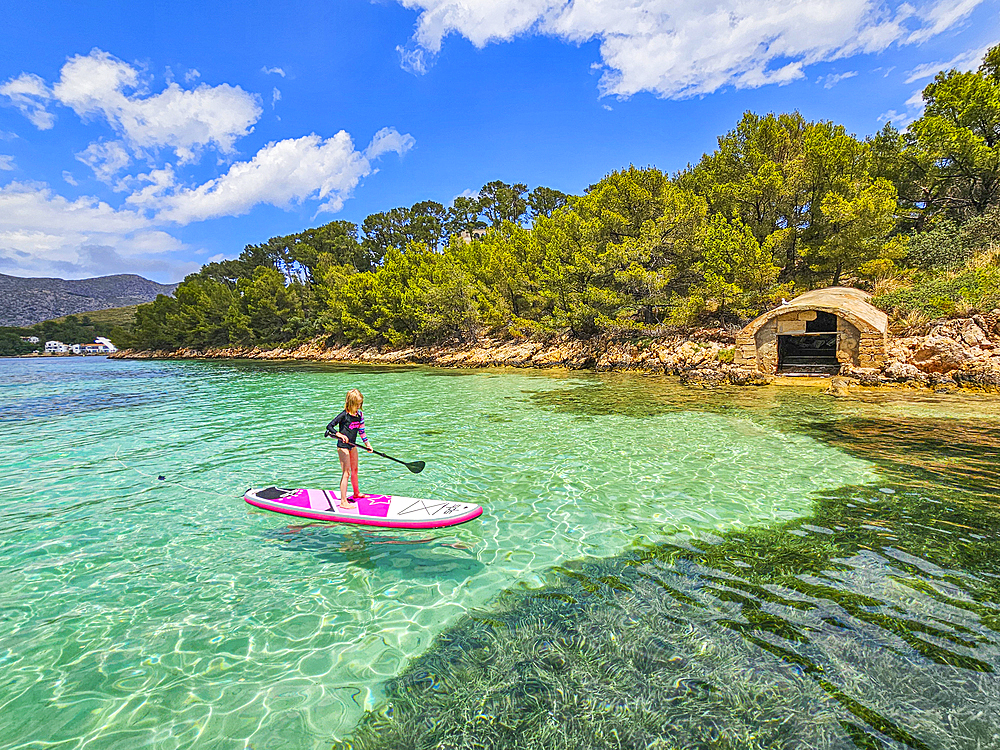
<point x="151" y="137"/>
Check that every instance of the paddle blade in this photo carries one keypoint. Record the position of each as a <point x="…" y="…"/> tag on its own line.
<point x="415" y="466"/>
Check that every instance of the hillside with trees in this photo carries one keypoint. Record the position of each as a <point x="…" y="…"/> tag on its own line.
<point x="69" y="329"/>
<point x="782" y="205"/>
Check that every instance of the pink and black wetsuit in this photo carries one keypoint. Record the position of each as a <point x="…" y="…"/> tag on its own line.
<point x="352" y="425"/>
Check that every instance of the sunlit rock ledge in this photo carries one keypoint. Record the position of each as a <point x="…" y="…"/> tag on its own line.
<point x="962" y="352"/>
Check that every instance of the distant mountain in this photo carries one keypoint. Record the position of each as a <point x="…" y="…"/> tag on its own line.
<point x="24" y="302"/>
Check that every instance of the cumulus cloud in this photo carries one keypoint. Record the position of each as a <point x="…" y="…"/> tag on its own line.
<point x="100" y="85"/>
<point x="280" y="174"/>
<point x="683" y="48"/>
<point x="107" y="159"/>
<point x="42" y="232"/>
<point x="30" y="94"/>
<point x="192" y="75"/>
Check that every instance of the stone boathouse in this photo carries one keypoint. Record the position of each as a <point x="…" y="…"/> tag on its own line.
<point x="815" y="333"/>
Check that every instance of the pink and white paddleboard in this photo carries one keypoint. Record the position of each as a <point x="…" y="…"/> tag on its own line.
<point x="388" y="511"/>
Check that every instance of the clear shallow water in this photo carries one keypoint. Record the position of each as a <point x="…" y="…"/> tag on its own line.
<point x="140" y="612"/>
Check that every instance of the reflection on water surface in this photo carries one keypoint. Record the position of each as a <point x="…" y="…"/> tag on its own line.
<point x="656" y="567"/>
<point x="874" y="622"/>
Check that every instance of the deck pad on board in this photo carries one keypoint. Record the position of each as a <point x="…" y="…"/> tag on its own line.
<point x="373" y="510"/>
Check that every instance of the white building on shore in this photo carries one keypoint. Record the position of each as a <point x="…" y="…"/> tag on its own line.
<point x="100" y="346"/>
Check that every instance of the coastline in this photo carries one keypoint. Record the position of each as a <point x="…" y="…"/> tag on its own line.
<point x="962" y="352"/>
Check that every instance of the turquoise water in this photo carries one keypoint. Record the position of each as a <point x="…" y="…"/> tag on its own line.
<point x="140" y="612"/>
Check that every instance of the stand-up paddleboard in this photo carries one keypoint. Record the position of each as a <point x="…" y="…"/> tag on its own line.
<point x="388" y="511"/>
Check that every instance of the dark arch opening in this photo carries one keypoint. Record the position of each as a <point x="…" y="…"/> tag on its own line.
<point x="811" y="353"/>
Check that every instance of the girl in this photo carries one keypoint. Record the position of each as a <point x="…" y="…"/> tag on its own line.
<point x="348" y="426"/>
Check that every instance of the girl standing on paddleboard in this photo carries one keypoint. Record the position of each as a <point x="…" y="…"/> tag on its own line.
<point x="348" y="426"/>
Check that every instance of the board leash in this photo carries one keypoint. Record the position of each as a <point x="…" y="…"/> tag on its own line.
<point x="162" y="478"/>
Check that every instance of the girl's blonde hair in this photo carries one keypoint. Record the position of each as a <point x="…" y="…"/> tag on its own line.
<point x="353" y="401"/>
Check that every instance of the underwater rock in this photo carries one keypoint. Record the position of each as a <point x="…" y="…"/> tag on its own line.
<point x="839" y="387"/>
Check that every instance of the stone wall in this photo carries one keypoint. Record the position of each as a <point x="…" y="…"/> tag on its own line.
<point x="872" y="348"/>
<point x="848" y="342"/>
<point x="856" y="347"/>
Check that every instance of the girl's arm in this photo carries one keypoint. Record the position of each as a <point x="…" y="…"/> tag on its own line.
<point x="361" y="431"/>
<point x="334" y="427"/>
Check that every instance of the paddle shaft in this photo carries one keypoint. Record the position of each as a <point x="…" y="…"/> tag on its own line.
<point x="415" y="466"/>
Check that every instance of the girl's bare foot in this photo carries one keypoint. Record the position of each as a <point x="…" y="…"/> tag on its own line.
<point x="350" y="503"/>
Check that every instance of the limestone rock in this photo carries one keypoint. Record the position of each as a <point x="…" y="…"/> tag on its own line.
<point x="903" y="372"/>
<point x="973" y="335"/>
<point x="942" y="354"/>
<point x="866" y="376"/>
<point x="748" y="376"/>
<point x="706" y="378"/>
<point x="984" y="376"/>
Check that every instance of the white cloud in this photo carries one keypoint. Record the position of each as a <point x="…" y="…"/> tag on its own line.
<point x="683" y="48"/>
<point x="107" y="159"/>
<point x="45" y="233"/>
<point x="268" y="71"/>
<point x="30" y="94"/>
<point x="192" y="75"/>
<point x="414" y="58"/>
<point x="6" y="135"/>
<point x="968" y="60"/>
<point x="834" y="78"/>
<point x="941" y="16"/>
<point x="42" y="232"/>
<point x="280" y="174"/>
<point x="386" y="140"/>
<point x="902" y="120"/>
<point x="179" y="119"/>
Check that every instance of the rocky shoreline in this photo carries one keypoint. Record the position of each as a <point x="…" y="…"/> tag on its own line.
<point x="960" y="352"/>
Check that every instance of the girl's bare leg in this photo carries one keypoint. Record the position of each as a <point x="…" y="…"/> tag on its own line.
<point x="345" y="474"/>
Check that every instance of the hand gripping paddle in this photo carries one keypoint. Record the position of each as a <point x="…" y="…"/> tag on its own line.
<point x="415" y="466"/>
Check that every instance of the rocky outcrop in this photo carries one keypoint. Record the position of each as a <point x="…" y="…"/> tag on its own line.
<point x="668" y="354"/>
<point x="957" y="352"/>
<point x="961" y="352"/>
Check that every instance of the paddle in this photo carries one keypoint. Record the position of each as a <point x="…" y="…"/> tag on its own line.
<point x="415" y="466"/>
